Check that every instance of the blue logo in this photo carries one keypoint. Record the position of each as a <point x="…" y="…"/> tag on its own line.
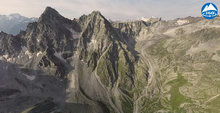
<point x="209" y="11"/>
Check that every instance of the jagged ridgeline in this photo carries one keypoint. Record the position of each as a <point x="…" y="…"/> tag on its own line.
<point x="92" y="65"/>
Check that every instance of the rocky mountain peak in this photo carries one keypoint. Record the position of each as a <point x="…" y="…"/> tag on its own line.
<point x="97" y="13"/>
<point x="50" y="15"/>
<point x="51" y="31"/>
<point x="92" y="18"/>
<point x="2" y="33"/>
<point x="50" y="11"/>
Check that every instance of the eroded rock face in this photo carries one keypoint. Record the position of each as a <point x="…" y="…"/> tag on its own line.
<point x="91" y="65"/>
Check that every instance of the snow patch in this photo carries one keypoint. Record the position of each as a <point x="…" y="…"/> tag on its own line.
<point x="145" y="19"/>
<point x="38" y="40"/>
<point x="7" y="58"/>
<point x="10" y="59"/>
<point x="181" y="22"/>
<point x="39" y="53"/>
<point x="28" y="53"/>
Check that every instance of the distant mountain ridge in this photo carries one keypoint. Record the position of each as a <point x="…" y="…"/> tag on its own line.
<point x="14" y="23"/>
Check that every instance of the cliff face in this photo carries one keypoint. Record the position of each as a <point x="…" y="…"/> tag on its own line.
<point x="91" y="65"/>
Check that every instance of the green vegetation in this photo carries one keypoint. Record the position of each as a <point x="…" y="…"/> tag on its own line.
<point x="92" y="63"/>
<point x="141" y="78"/>
<point x="127" y="105"/>
<point x="150" y="105"/>
<point x="218" y="52"/>
<point x="102" y="71"/>
<point x="214" y="105"/>
<point x="207" y="34"/>
<point x="159" y="50"/>
<point x="124" y="72"/>
<point x="176" y="97"/>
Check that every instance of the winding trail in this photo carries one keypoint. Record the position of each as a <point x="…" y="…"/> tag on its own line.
<point x="212" y="98"/>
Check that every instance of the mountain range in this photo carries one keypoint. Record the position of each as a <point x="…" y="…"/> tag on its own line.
<point x="14" y="23"/>
<point x="91" y="65"/>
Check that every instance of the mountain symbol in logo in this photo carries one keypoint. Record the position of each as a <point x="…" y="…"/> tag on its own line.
<point x="209" y="8"/>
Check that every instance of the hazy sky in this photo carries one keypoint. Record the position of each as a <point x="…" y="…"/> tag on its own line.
<point x="112" y="9"/>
